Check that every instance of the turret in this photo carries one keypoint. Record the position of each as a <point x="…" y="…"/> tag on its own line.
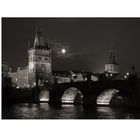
<point x="112" y="66"/>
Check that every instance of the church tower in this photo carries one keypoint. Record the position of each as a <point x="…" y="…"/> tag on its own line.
<point x="40" y="65"/>
<point x="112" y="67"/>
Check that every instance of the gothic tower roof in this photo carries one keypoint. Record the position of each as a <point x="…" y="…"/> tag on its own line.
<point x="39" y="39"/>
<point x="112" y="59"/>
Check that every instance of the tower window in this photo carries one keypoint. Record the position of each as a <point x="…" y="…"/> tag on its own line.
<point x="46" y="58"/>
<point x="39" y="58"/>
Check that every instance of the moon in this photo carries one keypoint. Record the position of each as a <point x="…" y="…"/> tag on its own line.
<point x="63" y="51"/>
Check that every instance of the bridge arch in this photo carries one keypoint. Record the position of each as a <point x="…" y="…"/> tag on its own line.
<point x="72" y="95"/>
<point x="106" y="96"/>
<point x="44" y="96"/>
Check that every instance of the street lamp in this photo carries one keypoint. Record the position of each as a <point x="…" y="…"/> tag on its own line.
<point x="127" y="73"/>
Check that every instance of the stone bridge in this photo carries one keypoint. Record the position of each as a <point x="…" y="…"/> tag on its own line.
<point x="93" y="93"/>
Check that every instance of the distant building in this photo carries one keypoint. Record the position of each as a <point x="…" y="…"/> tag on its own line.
<point x="94" y="77"/>
<point x="62" y="79"/>
<point x="69" y="76"/>
<point x="112" y="67"/>
<point x="61" y="76"/>
<point x="20" y="77"/>
<point x="73" y="76"/>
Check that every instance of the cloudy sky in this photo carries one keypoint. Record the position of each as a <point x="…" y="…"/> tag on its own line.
<point x="87" y="41"/>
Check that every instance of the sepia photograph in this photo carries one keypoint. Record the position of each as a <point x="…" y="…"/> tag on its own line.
<point x="70" y="68"/>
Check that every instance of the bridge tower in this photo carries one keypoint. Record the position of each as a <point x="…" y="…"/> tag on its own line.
<point x="112" y="67"/>
<point x="40" y="65"/>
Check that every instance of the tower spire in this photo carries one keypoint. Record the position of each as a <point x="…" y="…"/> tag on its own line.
<point x="112" y="59"/>
<point x="36" y="41"/>
<point x="112" y="66"/>
<point x="39" y="40"/>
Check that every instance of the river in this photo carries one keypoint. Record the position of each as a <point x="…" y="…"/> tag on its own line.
<point x="45" y="111"/>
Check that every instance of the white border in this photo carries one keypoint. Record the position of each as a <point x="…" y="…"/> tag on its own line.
<point x="70" y="8"/>
<point x="69" y="129"/>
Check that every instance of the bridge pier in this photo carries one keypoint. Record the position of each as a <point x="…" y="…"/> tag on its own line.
<point x="89" y="100"/>
<point x="55" y="96"/>
<point x="35" y="94"/>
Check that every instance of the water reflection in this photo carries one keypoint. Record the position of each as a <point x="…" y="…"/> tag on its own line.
<point x="45" y="111"/>
<point x="110" y="113"/>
